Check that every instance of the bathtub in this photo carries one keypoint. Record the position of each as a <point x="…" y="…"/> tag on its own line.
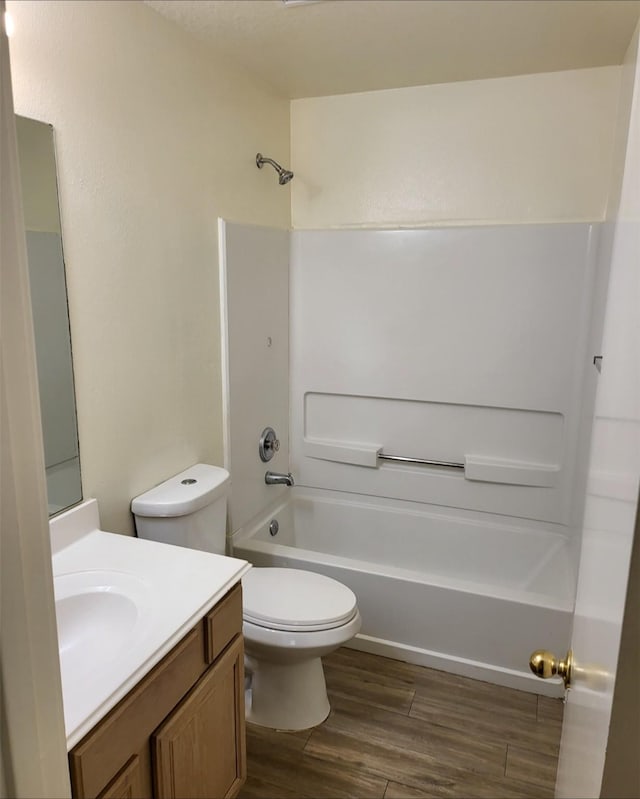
<point x="440" y="589"/>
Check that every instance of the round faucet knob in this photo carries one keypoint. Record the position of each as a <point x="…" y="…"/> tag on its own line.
<point x="268" y="444"/>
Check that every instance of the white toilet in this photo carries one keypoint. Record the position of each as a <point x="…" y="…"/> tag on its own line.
<point x="291" y="617"/>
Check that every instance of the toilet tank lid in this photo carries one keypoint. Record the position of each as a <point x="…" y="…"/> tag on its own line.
<point x="187" y="492"/>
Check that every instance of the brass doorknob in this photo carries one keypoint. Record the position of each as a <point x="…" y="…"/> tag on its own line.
<point x="545" y="664"/>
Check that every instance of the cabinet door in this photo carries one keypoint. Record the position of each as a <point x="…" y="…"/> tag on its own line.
<point x="125" y="731"/>
<point x="130" y="783"/>
<point x="199" y="751"/>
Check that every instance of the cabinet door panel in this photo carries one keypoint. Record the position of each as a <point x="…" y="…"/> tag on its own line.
<point x="199" y="751"/>
<point x="130" y="783"/>
<point x="126" y="729"/>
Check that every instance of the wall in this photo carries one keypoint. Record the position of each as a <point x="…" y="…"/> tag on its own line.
<point x="532" y="148"/>
<point x="155" y="140"/>
<point x="458" y="344"/>
<point x="254" y="270"/>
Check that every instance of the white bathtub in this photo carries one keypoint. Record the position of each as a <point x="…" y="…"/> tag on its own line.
<point x="437" y="589"/>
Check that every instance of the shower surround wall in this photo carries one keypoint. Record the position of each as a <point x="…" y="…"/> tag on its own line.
<point x="461" y="345"/>
<point x="254" y="309"/>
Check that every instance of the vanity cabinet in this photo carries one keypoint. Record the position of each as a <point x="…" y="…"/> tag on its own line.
<point x="179" y="734"/>
<point x="195" y="749"/>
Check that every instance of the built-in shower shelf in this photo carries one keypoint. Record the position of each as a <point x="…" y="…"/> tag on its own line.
<point x="342" y="452"/>
<point x="493" y="470"/>
<point x="477" y="468"/>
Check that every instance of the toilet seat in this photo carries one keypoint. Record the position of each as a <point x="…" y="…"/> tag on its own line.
<point x="296" y="601"/>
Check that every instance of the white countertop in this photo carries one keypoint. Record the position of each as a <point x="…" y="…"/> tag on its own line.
<point x="166" y="590"/>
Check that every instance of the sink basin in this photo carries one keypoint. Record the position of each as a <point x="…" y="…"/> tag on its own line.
<point x="98" y="615"/>
<point x="122" y="604"/>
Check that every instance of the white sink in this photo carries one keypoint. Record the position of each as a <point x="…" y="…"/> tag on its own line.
<point x="122" y="604"/>
<point x="98" y="614"/>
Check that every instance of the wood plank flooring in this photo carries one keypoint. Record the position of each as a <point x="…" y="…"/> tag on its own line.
<point x="402" y="732"/>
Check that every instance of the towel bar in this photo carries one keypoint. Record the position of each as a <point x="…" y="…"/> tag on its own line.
<point x="420" y="461"/>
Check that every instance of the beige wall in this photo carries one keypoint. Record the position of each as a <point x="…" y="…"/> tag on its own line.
<point x="154" y="141"/>
<point x="533" y="148"/>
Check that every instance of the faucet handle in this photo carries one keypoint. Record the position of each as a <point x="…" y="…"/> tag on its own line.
<point x="268" y="445"/>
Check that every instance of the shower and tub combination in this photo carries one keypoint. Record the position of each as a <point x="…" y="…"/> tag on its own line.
<point x="431" y="389"/>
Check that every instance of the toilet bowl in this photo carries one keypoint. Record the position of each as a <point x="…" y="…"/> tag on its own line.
<point x="291" y="618"/>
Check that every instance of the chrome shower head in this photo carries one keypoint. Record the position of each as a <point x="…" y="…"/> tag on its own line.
<point x="284" y="175"/>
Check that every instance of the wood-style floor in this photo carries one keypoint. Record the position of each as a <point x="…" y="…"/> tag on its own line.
<point x="397" y="730"/>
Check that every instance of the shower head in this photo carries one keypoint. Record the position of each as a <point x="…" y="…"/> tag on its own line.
<point x="284" y="175"/>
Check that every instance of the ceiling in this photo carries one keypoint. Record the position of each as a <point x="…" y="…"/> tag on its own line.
<point x="340" y="46"/>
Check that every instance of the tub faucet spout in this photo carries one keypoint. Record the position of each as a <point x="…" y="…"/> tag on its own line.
<point x="278" y="479"/>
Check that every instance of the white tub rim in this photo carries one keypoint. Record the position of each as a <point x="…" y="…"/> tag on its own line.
<point x="244" y="538"/>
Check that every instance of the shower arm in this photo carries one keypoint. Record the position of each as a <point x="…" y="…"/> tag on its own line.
<point x="261" y="160"/>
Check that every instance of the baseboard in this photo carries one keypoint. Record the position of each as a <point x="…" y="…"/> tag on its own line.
<point x="522" y="681"/>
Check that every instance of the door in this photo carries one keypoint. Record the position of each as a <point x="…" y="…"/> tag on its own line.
<point x="611" y="502"/>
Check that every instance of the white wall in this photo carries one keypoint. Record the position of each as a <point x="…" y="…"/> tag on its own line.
<point x="255" y="300"/>
<point x="155" y="140"/>
<point x="532" y="148"/>
<point x="442" y="344"/>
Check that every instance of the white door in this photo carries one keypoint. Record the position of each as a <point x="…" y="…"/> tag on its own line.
<point x="611" y="504"/>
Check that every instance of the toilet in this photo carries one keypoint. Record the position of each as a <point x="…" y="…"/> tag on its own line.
<point x="291" y="617"/>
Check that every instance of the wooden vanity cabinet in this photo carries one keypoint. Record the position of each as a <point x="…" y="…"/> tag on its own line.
<point x="195" y="751"/>
<point x="180" y="733"/>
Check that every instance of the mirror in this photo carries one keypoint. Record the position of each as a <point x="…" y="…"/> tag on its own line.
<point x="50" y="312"/>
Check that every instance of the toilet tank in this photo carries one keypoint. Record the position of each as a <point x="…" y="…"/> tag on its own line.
<point x="188" y="510"/>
